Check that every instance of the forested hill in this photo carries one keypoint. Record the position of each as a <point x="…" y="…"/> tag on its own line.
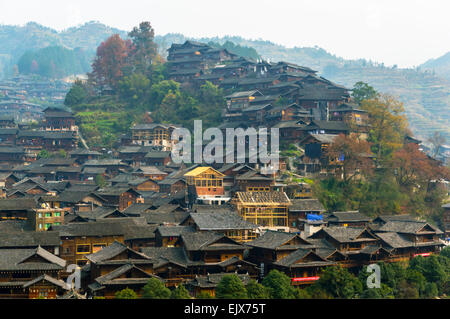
<point x="425" y="91"/>
<point x="15" y="41"/>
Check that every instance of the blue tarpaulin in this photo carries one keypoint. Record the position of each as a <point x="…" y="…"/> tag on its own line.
<point x="313" y="217"/>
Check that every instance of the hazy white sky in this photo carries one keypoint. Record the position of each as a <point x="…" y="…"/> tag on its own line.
<point x="402" y="32"/>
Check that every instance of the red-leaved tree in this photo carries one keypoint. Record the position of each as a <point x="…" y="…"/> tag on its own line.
<point x="110" y="61"/>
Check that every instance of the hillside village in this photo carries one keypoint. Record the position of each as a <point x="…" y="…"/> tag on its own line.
<point x="135" y="214"/>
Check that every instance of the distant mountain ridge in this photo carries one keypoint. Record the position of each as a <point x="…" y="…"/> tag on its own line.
<point x="439" y="65"/>
<point x="426" y="94"/>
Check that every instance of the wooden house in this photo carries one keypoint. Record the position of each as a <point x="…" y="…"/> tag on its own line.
<point x="153" y="134"/>
<point x="121" y="197"/>
<point x="412" y="237"/>
<point x="223" y="221"/>
<point x="347" y="219"/>
<point x="30" y="273"/>
<point x="205" y="184"/>
<point x="84" y="238"/>
<point x="117" y="267"/>
<point x="300" y="208"/>
<point x="57" y="119"/>
<point x="269" y="210"/>
<point x="157" y="158"/>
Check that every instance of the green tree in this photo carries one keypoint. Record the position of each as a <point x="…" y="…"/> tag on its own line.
<point x="302" y="293"/>
<point x="256" y="291"/>
<point x="279" y="285"/>
<point x="100" y="180"/>
<point x="384" y="292"/>
<point x="180" y="293"/>
<point x="431" y="290"/>
<point x="43" y="154"/>
<point x="155" y="289"/>
<point x="144" y="50"/>
<point x="134" y="88"/>
<point x="62" y="153"/>
<point x="363" y="91"/>
<point x="339" y="283"/>
<point x="76" y="95"/>
<point x="231" y="287"/>
<point x="388" y="125"/>
<point x="406" y="290"/>
<point x="126" y="293"/>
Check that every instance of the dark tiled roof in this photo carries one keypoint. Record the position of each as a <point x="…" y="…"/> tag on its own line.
<point x="106" y="227"/>
<point x="395" y="240"/>
<point x="209" y="240"/>
<point x="22" y="259"/>
<point x="294" y="259"/>
<point x="156" y="154"/>
<point x="175" y="217"/>
<point x="54" y="281"/>
<point x="163" y="255"/>
<point x="408" y="227"/>
<point x="113" y="250"/>
<point x="140" y="232"/>
<point x="137" y="209"/>
<point x="229" y="220"/>
<point x="174" y="231"/>
<point x="342" y="217"/>
<point x="17" y="204"/>
<point x="29" y="239"/>
<point x="306" y="205"/>
<point x="276" y="240"/>
<point x="346" y="234"/>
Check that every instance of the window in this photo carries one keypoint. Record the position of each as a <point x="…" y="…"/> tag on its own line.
<point x="47" y="226"/>
<point x="48" y="214"/>
<point x="97" y="247"/>
<point x="40" y="226"/>
<point x="57" y="223"/>
<point x="81" y="249"/>
<point x="57" y="214"/>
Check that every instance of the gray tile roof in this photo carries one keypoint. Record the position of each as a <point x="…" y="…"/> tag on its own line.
<point x="45" y="277"/>
<point x="294" y="259"/>
<point x="18" y="204"/>
<point x="22" y="259"/>
<point x="275" y="240"/>
<point x="29" y="239"/>
<point x="114" y="277"/>
<point x="306" y="205"/>
<point x="113" y="250"/>
<point x="343" y="217"/>
<point x="347" y="234"/>
<point x="174" y="231"/>
<point x="229" y="220"/>
<point x="163" y="255"/>
<point x="209" y="240"/>
<point x="106" y="227"/>
<point x="409" y="227"/>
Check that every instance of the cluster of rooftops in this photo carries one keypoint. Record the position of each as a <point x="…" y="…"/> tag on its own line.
<point x="138" y="215"/>
<point x="121" y="235"/>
